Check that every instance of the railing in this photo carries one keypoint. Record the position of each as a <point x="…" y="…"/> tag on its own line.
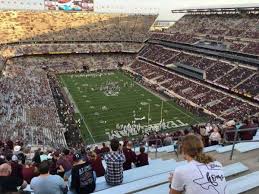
<point x="236" y="138"/>
<point x="158" y="144"/>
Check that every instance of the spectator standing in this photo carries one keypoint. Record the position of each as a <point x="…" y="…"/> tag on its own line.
<point x="130" y="156"/>
<point x="83" y="179"/>
<point x="36" y="157"/>
<point x="29" y="171"/>
<point x="63" y="164"/>
<point x="114" y="162"/>
<point x="105" y="149"/>
<point x="97" y="150"/>
<point x="68" y="156"/>
<point x="96" y="163"/>
<point x="20" y="155"/>
<point x="16" y="167"/>
<point x="9" y="144"/>
<point x="142" y="158"/>
<point x="46" y="183"/>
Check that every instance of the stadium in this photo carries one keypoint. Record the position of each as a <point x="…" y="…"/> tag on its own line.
<point x="77" y="82"/>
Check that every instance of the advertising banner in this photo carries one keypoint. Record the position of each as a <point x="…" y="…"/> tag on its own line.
<point x="69" y="5"/>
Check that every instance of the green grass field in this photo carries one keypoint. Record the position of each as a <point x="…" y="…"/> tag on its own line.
<point x="105" y="100"/>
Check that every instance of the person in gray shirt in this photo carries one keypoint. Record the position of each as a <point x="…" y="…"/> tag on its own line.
<point x="46" y="183"/>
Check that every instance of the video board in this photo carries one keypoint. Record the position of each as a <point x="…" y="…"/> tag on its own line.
<point x="69" y="5"/>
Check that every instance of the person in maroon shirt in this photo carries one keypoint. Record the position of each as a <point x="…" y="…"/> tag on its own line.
<point x="96" y="163"/>
<point x="97" y="150"/>
<point x="68" y="156"/>
<point x="142" y="158"/>
<point x="63" y="165"/>
<point x="247" y="135"/>
<point x="29" y="171"/>
<point x="16" y="167"/>
<point x="9" y="144"/>
<point x="105" y="149"/>
<point x="129" y="155"/>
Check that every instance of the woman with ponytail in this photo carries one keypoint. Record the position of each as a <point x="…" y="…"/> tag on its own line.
<point x="201" y="174"/>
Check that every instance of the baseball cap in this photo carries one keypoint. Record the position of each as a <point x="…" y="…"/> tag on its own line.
<point x="76" y="156"/>
<point x="14" y="158"/>
<point x="17" y="148"/>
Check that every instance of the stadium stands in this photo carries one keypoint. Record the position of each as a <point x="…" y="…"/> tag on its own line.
<point x="214" y="101"/>
<point x="36" y="111"/>
<point x="116" y="38"/>
<point x="237" y="31"/>
<point x="226" y="74"/>
<point x="21" y="26"/>
<point x="26" y="105"/>
<point x="66" y="48"/>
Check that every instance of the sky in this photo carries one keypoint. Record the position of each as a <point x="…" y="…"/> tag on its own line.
<point x="163" y="7"/>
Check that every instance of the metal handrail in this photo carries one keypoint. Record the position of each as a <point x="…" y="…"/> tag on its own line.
<point x="156" y="145"/>
<point x="236" y="138"/>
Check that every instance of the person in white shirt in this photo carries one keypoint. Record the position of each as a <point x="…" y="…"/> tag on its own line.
<point x="201" y="175"/>
<point x="215" y="137"/>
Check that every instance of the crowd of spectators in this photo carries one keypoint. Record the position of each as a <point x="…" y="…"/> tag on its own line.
<point x="27" y="101"/>
<point x="26" y="105"/>
<point x="66" y="113"/>
<point x="237" y="32"/>
<point x="242" y="79"/>
<point x="220" y="104"/>
<point x="76" y="62"/>
<point x="14" y="50"/>
<point x="212" y="133"/>
<point x="23" y="26"/>
<point x="65" y="170"/>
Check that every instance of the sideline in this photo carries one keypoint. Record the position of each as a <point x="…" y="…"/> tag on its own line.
<point x="81" y="116"/>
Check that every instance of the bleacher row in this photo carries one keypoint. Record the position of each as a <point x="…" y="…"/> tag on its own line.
<point x="220" y="104"/>
<point x="153" y="179"/>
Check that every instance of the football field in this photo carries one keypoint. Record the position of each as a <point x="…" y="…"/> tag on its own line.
<point x="111" y="104"/>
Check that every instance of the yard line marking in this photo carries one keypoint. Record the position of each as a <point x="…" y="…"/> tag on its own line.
<point x="162" y="98"/>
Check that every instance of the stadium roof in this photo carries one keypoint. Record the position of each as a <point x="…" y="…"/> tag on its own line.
<point x="220" y="8"/>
